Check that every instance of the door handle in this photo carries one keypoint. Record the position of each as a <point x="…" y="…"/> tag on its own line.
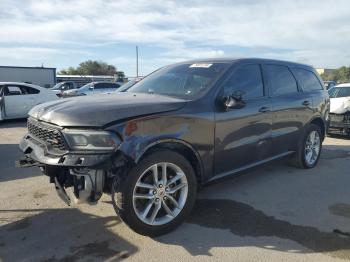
<point x="264" y="109"/>
<point x="306" y="103"/>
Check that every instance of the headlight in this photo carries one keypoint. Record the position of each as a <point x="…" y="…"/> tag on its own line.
<point x="91" y="140"/>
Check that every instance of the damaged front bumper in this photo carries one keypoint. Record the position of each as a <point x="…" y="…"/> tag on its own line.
<point x="89" y="174"/>
<point x="38" y="154"/>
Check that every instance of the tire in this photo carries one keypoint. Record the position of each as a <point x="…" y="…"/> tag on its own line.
<point x="300" y="159"/>
<point x="126" y="204"/>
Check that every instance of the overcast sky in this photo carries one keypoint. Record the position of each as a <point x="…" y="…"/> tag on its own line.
<point x="64" y="33"/>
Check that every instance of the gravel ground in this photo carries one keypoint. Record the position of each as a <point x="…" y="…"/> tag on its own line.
<point x="274" y="213"/>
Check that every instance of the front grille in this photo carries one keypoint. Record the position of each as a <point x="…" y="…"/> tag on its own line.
<point x="347" y="118"/>
<point x="50" y="136"/>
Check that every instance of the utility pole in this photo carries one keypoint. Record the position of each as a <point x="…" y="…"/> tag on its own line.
<point x="137" y="61"/>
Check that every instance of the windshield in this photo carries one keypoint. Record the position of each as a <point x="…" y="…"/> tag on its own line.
<point x="185" y="80"/>
<point x="339" y="92"/>
<point x="57" y="86"/>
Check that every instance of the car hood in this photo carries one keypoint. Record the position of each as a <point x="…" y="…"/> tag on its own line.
<point x="340" y="105"/>
<point x="100" y="110"/>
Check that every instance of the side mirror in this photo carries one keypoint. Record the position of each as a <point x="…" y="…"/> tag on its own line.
<point x="234" y="101"/>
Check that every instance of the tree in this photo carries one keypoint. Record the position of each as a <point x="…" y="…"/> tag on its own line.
<point x="341" y="75"/>
<point x="90" y="67"/>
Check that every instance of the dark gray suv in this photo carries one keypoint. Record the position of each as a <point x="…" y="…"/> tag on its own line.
<point x="182" y="126"/>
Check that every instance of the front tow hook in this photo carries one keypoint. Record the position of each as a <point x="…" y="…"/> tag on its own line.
<point x="61" y="192"/>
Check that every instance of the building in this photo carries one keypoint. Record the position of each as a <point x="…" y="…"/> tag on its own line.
<point x="324" y="71"/>
<point x="42" y="76"/>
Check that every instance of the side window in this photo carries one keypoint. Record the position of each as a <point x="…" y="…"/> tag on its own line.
<point x="109" y="85"/>
<point x="12" y="91"/>
<point x="344" y="92"/>
<point x="281" y="80"/>
<point x="113" y="85"/>
<point x="307" y="79"/>
<point x="70" y="85"/>
<point x="26" y="90"/>
<point x="65" y="86"/>
<point x="100" y="86"/>
<point x="247" y="79"/>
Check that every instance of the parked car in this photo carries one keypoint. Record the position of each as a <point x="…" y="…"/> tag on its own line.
<point x="92" y="88"/>
<point x="182" y="126"/>
<point x="16" y="99"/>
<point x="340" y="109"/>
<point x="59" y="88"/>
<point x="329" y="84"/>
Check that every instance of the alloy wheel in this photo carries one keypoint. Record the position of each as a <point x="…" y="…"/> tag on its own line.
<point x="312" y="147"/>
<point x="160" y="193"/>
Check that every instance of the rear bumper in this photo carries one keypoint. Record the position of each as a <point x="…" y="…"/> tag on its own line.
<point x="38" y="153"/>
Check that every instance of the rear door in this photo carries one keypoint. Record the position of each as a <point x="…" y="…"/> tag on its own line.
<point x="292" y="108"/>
<point x="33" y="96"/>
<point x="312" y="87"/>
<point x="243" y="136"/>
<point x="2" y="103"/>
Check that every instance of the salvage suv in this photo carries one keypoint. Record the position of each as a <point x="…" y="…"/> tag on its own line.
<point x="182" y="126"/>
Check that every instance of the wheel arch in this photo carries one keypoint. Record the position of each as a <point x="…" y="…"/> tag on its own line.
<point x="179" y="146"/>
<point x="321" y="123"/>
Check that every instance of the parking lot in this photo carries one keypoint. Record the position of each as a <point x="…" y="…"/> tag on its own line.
<point x="274" y="213"/>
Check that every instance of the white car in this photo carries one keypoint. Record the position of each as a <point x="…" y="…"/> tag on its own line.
<point x="16" y="99"/>
<point x="340" y="108"/>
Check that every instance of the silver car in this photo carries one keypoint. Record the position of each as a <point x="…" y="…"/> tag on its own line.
<point x="92" y="88"/>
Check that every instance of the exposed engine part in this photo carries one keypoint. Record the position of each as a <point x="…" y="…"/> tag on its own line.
<point x="87" y="185"/>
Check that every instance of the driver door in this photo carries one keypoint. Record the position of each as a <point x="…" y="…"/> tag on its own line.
<point x="243" y="135"/>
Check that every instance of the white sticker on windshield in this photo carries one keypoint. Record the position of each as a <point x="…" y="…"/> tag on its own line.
<point x="201" y="65"/>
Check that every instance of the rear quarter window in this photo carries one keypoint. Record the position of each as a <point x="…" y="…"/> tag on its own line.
<point x="307" y="79"/>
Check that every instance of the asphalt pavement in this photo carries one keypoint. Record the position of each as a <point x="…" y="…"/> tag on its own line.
<point x="274" y="213"/>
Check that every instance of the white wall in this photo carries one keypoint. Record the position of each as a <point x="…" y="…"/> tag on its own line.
<point x="38" y="76"/>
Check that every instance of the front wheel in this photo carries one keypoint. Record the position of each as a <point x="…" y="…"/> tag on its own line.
<point x="156" y="195"/>
<point x="309" y="150"/>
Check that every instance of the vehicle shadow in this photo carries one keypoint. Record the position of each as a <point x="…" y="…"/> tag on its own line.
<point x="62" y="235"/>
<point x="9" y="153"/>
<point x="222" y="220"/>
<point x="338" y="136"/>
<point x="13" y="123"/>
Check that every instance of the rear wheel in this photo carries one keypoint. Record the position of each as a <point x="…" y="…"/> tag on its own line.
<point x="156" y="195"/>
<point x="310" y="147"/>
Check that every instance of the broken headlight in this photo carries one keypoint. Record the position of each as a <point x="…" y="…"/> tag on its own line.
<point x="91" y="140"/>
